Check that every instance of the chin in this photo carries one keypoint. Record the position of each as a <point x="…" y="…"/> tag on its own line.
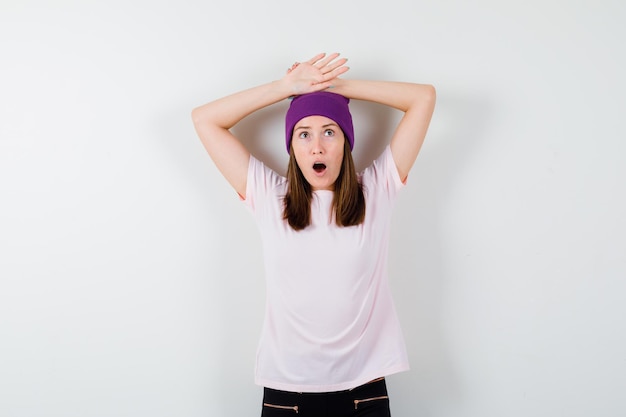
<point x="317" y="183"/>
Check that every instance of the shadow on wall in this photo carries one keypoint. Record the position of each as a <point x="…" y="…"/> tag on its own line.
<point x="263" y="133"/>
<point x="373" y="126"/>
<point x="418" y="273"/>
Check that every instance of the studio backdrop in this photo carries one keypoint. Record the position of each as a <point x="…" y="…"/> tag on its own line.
<point x="131" y="276"/>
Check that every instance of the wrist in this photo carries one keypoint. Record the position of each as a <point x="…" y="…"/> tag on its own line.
<point x="338" y="86"/>
<point x="283" y="88"/>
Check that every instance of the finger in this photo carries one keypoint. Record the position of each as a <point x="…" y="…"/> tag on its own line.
<point x="324" y="85"/>
<point x="323" y="62"/>
<point x="334" y="65"/>
<point x="319" y="86"/>
<point x="316" y="58"/>
<point x="334" y="73"/>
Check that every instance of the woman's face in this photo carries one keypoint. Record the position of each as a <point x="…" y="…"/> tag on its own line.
<point x="317" y="143"/>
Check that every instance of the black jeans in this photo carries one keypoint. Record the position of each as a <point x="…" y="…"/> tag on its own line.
<point x="369" y="400"/>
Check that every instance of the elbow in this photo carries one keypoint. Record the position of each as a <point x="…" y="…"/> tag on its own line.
<point x="427" y="97"/>
<point x="201" y="117"/>
<point x="196" y="116"/>
<point x="430" y="93"/>
<point x="206" y="115"/>
<point x="422" y="97"/>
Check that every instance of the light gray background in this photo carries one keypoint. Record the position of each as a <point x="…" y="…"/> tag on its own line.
<point x="131" y="276"/>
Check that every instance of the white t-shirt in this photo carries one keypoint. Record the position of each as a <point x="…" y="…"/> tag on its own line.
<point x="330" y="322"/>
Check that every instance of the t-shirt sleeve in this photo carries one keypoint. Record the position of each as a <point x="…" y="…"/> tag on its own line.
<point x="383" y="174"/>
<point x="261" y="183"/>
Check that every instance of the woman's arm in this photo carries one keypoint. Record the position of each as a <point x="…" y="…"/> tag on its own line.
<point x="214" y="120"/>
<point x="417" y="101"/>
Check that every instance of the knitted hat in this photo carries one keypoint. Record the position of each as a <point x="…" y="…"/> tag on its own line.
<point x="321" y="103"/>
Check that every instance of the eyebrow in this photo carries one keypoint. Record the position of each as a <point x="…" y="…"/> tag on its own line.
<point x="309" y="127"/>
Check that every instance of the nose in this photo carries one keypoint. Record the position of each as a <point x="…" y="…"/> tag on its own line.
<point x="316" y="146"/>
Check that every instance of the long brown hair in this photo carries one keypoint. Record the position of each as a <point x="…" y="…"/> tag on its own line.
<point x="348" y="199"/>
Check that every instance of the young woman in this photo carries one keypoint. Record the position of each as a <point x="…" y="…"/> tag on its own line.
<point x="330" y="334"/>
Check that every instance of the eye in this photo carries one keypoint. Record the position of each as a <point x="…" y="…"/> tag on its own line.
<point x="329" y="132"/>
<point x="303" y="135"/>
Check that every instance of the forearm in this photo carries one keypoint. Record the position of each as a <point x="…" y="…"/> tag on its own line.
<point x="417" y="101"/>
<point x="399" y="95"/>
<point x="226" y="112"/>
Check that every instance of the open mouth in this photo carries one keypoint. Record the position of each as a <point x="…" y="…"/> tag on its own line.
<point x="319" y="167"/>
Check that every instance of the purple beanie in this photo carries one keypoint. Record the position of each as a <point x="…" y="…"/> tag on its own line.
<point x="321" y="103"/>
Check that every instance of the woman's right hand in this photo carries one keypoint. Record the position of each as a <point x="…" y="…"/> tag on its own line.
<point x="316" y="74"/>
